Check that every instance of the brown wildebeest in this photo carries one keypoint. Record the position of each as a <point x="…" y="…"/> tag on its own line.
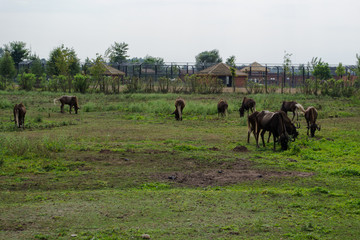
<point x="19" y="115"/>
<point x="72" y="101"/>
<point x="275" y="124"/>
<point x="247" y="104"/>
<point x="222" y="107"/>
<point x="292" y="107"/>
<point x="311" y="116"/>
<point x="179" y="106"/>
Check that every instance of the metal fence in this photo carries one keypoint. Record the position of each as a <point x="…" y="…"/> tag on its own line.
<point x="270" y="75"/>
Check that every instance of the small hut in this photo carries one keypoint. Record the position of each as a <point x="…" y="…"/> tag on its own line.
<point x="222" y="71"/>
<point x="116" y="76"/>
<point x="255" y="67"/>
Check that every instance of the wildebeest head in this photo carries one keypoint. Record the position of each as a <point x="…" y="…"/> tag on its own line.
<point x="179" y="106"/>
<point x="241" y="110"/>
<point x="284" y="139"/>
<point x="313" y="128"/>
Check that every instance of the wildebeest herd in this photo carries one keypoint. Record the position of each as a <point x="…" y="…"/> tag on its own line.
<point x="276" y="123"/>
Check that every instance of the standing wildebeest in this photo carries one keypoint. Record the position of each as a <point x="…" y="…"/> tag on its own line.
<point x="292" y="107"/>
<point x="19" y="115"/>
<point x="72" y="101"/>
<point x="247" y="104"/>
<point x="222" y="107"/>
<point x="275" y="124"/>
<point x="179" y="106"/>
<point x="311" y="116"/>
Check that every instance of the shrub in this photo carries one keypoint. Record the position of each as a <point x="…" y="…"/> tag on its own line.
<point x="27" y="81"/>
<point x="81" y="83"/>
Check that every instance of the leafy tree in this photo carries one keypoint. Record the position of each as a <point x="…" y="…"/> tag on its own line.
<point x="340" y="70"/>
<point x="207" y="57"/>
<point x="321" y="71"/>
<point x="1" y="52"/>
<point x="63" y="61"/>
<point x="231" y="60"/>
<point x="153" y="60"/>
<point x="356" y="69"/>
<point x="117" y="52"/>
<point x="7" y="69"/>
<point x="37" y="68"/>
<point x="97" y="72"/>
<point x="286" y="66"/>
<point x="17" y="51"/>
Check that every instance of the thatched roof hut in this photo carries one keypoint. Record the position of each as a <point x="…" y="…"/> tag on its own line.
<point x="222" y="71"/>
<point x="110" y="71"/>
<point x="255" y="67"/>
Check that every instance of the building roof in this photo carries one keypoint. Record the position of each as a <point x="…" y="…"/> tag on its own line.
<point x="220" y="69"/>
<point x="255" y="67"/>
<point x="110" y="71"/>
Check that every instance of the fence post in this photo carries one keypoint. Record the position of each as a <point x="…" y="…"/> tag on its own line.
<point x="266" y="82"/>
<point x="283" y="82"/>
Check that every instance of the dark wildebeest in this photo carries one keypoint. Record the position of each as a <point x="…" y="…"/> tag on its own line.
<point x="275" y="124"/>
<point x="247" y="104"/>
<point x="222" y="107"/>
<point x="179" y="106"/>
<point x="72" y="101"/>
<point x="19" y="115"/>
<point x="292" y="107"/>
<point x="311" y="116"/>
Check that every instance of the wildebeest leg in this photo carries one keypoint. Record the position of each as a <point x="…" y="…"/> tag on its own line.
<point x="269" y="137"/>
<point x="262" y="137"/>
<point x="308" y="127"/>
<point x="62" y="107"/>
<point x="274" y="142"/>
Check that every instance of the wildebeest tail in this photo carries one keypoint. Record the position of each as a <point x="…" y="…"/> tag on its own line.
<point x="299" y="106"/>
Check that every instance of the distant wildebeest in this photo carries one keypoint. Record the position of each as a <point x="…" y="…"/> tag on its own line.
<point x="292" y="107"/>
<point x="247" y="104"/>
<point x="311" y="116"/>
<point x="19" y="115"/>
<point x="275" y="124"/>
<point x="179" y="106"/>
<point x="222" y="107"/>
<point x="72" y="101"/>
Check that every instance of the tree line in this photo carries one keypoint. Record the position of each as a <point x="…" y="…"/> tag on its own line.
<point x="62" y="71"/>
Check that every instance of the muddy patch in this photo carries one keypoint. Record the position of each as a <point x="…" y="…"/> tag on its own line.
<point x="225" y="174"/>
<point x="240" y="149"/>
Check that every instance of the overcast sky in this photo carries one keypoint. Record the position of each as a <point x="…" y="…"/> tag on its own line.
<point x="178" y="30"/>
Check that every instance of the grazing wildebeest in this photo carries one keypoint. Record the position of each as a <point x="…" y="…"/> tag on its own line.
<point x="275" y="124"/>
<point x="222" y="107"/>
<point x="311" y="116"/>
<point x="290" y="127"/>
<point x="247" y="104"/>
<point x="179" y="106"/>
<point x="19" y="115"/>
<point x="72" y="101"/>
<point x="292" y="107"/>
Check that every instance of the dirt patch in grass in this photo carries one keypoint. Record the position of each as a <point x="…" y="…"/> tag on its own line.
<point x="225" y="174"/>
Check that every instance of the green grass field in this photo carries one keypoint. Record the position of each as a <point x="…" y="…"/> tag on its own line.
<point x="123" y="167"/>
